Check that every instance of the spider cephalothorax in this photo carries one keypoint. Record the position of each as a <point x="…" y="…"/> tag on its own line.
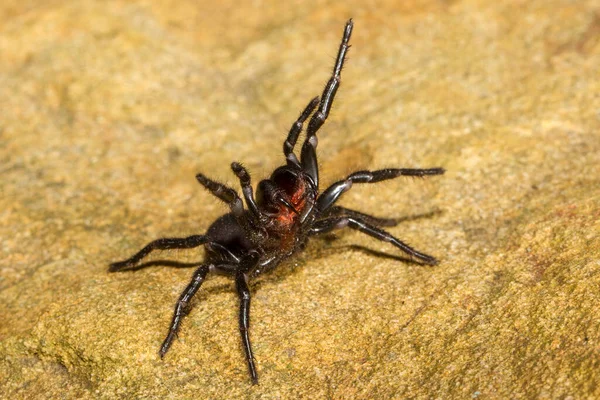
<point x="287" y="210"/>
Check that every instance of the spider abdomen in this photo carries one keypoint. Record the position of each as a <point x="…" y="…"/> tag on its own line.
<point x="227" y="232"/>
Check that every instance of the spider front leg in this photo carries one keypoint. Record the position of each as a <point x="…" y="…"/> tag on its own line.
<point x="224" y="193"/>
<point x="333" y="192"/>
<point x="308" y="154"/>
<point x="330" y="224"/>
<point x="246" y="184"/>
<point x="181" y="307"/>
<point x="160" y="244"/>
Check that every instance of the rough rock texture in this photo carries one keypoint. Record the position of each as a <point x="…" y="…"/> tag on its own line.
<point x="108" y="109"/>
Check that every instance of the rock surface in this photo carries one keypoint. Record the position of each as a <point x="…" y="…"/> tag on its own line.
<point x="108" y="109"/>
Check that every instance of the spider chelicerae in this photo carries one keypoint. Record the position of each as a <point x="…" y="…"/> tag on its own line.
<point x="286" y="211"/>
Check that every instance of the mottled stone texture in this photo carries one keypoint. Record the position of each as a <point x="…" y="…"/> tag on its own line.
<point x="109" y="108"/>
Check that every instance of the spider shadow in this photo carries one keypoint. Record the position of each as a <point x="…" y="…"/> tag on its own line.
<point x="161" y="263"/>
<point x="366" y="250"/>
<point x="382" y="254"/>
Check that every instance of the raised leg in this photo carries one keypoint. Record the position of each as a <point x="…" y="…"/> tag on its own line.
<point x="244" y="293"/>
<point x="181" y="308"/>
<point x="160" y="244"/>
<point x="292" y="138"/>
<point x="329" y="224"/>
<point x="333" y="192"/>
<point x="224" y="193"/>
<point x="308" y="154"/>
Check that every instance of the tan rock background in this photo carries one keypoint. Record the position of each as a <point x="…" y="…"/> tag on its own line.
<point x="108" y="109"/>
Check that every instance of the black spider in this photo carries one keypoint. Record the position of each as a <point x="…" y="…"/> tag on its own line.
<point x="286" y="212"/>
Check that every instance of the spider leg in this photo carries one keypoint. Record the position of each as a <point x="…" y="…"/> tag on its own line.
<point x="333" y="192"/>
<point x="224" y="193"/>
<point x="329" y="224"/>
<point x="290" y="142"/>
<point x="339" y="211"/>
<point x="308" y="154"/>
<point x="241" y="284"/>
<point x="246" y="184"/>
<point x="181" y="307"/>
<point x="160" y="244"/>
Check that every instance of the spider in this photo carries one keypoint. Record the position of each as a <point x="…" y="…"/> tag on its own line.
<point x="285" y="212"/>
